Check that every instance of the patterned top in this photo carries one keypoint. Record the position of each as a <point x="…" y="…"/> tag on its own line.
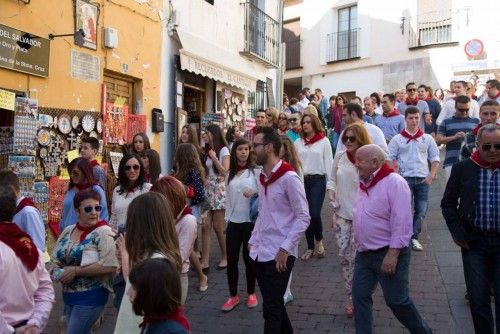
<point x="488" y="201"/>
<point x="450" y="127"/>
<point x="100" y="176"/>
<point x="97" y="247"/>
<point x="194" y="179"/>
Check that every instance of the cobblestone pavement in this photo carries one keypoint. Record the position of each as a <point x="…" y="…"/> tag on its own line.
<point x="436" y="286"/>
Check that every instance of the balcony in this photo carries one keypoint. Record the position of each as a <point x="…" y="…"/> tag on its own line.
<point x="261" y="36"/>
<point x="342" y="45"/>
<point x="292" y="55"/>
<point x="425" y="34"/>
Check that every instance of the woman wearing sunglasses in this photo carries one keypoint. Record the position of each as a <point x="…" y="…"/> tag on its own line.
<point x="81" y="178"/>
<point x="84" y="261"/>
<point x="283" y="124"/>
<point x="131" y="183"/>
<point x="342" y="187"/>
<point x="294" y="132"/>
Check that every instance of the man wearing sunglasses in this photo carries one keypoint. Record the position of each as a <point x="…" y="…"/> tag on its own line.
<point x="489" y="113"/>
<point x="471" y="208"/>
<point x="413" y="100"/>
<point x="448" y="110"/>
<point x="452" y="132"/>
<point x="294" y="132"/>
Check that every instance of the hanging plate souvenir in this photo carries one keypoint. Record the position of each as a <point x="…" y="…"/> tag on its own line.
<point x="98" y="125"/>
<point x="239" y="109"/>
<point x="93" y="134"/>
<point x="88" y="123"/>
<point x="43" y="152"/>
<point x="44" y="137"/>
<point x="45" y="120"/>
<point x="64" y="124"/>
<point x="75" y="121"/>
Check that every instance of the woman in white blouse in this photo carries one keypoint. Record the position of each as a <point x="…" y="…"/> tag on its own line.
<point x="241" y="185"/>
<point x="342" y="187"/>
<point x="131" y="183"/>
<point x="315" y="152"/>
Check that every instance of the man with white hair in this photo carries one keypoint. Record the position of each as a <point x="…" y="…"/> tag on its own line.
<point x="383" y="227"/>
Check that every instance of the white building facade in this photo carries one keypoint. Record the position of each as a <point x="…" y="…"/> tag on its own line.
<point x="220" y="63"/>
<point x="365" y="46"/>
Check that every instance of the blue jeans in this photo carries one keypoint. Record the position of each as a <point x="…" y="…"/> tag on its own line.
<point x="334" y="138"/>
<point x="482" y="271"/>
<point x="395" y="288"/>
<point x="81" y="318"/>
<point x="315" y="186"/>
<point x="420" y="196"/>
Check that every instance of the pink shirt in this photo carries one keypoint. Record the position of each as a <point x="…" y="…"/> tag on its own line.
<point x="186" y="229"/>
<point x="283" y="217"/>
<point x="383" y="217"/>
<point x="24" y="295"/>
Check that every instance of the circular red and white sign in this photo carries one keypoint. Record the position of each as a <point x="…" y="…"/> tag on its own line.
<point x="474" y="48"/>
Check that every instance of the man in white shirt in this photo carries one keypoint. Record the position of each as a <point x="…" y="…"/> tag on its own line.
<point x="448" y="109"/>
<point x="410" y="152"/>
<point x="303" y="100"/>
<point x="354" y="113"/>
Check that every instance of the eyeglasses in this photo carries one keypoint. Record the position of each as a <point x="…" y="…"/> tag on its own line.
<point x="134" y="167"/>
<point x="293" y="120"/>
<point x="487" y="147"/>
<point x="463" y="109"/>
<point x="269" y="115"/>
<point x="88" y="209"/>
<point x="411" y="89"/>
<point x="350" y="139"/>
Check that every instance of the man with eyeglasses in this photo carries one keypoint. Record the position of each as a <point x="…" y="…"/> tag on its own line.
<point x="448" y="110"/>
<point x="471" y="208"/>
<point x="260" y="121"/>
<point x="489" y="113"/>
<point x="452" y="132"/>
<point x="294" y="132"/>
<point x="492" y="91"/>
<point x="413" y="100"/>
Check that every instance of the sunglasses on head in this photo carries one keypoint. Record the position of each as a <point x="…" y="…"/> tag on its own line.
<point x="350" y="139"/>
<point x="88" y="209"/>
<point x="487" y="147"/>
<point x="134" y="167"/>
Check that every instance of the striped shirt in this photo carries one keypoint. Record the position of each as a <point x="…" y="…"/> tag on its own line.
<point x="488" y="202"/>
<point x="449" y="128"/>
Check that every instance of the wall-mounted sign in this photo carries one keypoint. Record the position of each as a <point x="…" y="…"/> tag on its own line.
<point x="24" y="52"/>
<point x="7" y="100"/>
<point x="474" y="48"/>
<point x="84" y="66"/>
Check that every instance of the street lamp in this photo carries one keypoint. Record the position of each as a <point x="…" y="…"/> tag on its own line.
<point x="79" y="35"/>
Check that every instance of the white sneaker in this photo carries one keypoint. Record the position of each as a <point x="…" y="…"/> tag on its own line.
<point x="416" y="246"/>
<point x="288" y="298"/>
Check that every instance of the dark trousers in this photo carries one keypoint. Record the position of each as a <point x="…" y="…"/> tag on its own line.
<point x="482" y="271"/>
<point x="315" y="186"/>
<point x="273" y="286"/>
<point x="395" y="288"/>
<point x="420" y="197"/>
<point x="238" y="234"/>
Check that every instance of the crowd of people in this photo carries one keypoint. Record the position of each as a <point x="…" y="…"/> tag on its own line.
<point x="262" y="190"/>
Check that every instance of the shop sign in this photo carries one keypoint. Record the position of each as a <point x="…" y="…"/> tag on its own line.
<point x="207" y="119"/>
<point x="7" y="100"/>
<point x="24" y="52"/>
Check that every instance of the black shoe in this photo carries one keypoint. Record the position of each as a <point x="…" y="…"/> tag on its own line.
<point x="205" y="270"/>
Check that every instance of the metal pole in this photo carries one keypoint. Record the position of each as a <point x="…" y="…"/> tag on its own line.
<point x="281" y="69"/>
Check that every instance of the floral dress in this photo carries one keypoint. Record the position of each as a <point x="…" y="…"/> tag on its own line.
<point x="215" y="191"/>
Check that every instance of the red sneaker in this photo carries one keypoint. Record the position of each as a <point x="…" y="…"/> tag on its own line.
<point x="230" y="303"/>
<point x="252" y="301"/>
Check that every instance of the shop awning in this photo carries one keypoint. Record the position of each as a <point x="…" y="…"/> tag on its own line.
<point x="203" y="58"/>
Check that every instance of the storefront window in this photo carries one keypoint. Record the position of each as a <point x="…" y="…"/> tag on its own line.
<point x="256" y="100"/>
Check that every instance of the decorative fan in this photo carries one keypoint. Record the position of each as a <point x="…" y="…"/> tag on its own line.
<point x="88" y="123"/>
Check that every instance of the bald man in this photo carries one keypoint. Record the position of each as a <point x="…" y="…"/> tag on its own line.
<point x="382" y="229"/>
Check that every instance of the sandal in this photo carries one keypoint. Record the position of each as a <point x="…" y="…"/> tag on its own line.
<point x="307" y="255"/>
<point x="349" y="311"/>
<point x="320" y="253"/>
<point x="98" y="323"/>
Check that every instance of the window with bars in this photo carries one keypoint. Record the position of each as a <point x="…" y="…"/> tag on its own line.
<point x="257" y="99"/>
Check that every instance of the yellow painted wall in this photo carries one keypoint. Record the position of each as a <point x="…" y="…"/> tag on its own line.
<point x="139" y="46"/>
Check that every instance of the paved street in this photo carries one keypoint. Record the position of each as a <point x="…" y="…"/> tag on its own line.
<point x="437" y="287"/>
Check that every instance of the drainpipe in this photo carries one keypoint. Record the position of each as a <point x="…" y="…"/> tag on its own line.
<point x="281" y="69"/>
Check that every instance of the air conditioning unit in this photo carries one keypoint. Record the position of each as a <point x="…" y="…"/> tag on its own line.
<point x="111" y="38"/>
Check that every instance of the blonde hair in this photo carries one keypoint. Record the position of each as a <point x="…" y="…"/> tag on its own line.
<point x="310" y="110"/>
<point x="274" y="113"/>
<point x="359" y="132"/>
<point x="291" y="155"/>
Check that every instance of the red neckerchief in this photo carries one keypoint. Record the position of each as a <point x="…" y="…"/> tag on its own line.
<point x="427" y="99"/>
<point x="147" y="177"/>
<point x="177" y="316"/>
<point x="395" y="112"/>
<point x="296" y="130"/>
<point x="497" y="96"/>
<point x="285" y="167"/>
<point x="21" y="243"/>
<point x="254" y="130"/>
<point x="317" y="137"/>
<point x="410" y="102"/>
<point x="207" y="149"/>
<point x="240" y="168"/>
<point x="383" y="172"/>
<point x="285" y="128"/>
<point x="86" y="230"/>
<point x="131" y="188"/>
<point x="417" y="135"/>
<point x="474" y="97"/>
<point x="350" y="157"/>
<point x="81" y="187"/>
<point x="476" y="129"/>
<point x="476" y="158"/>
<point x="94" y="163"/>
<point x="24" y="203"/>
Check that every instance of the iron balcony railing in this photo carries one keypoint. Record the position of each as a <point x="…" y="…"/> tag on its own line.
<point x="430" y="33"/>
<point x="261" y="36"/>
<point x="292" y="55"/>
<point x="342" y="45"/>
